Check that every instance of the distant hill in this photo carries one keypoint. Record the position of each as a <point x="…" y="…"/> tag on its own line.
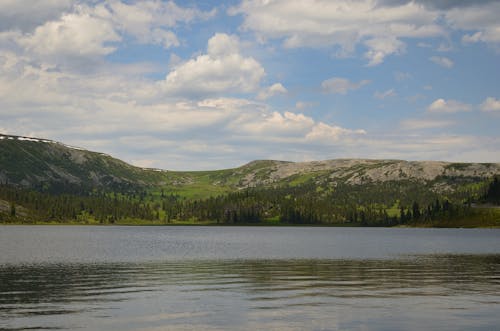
<point x="41" y="163"/>
<point x="46" y="181"/>
<point x="38" y="163"/>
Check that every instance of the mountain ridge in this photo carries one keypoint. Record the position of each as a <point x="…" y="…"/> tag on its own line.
<point x="46" y="181"/>
<point x="35" y="162"/>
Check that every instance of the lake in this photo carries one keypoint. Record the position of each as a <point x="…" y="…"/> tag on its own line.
<point x="248" y="278"/>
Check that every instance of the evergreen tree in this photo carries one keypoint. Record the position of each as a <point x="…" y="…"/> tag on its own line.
<point x="493" y="193"/>
<point x="13" y="209"/>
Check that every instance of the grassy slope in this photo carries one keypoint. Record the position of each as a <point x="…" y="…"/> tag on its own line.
<point x="30" y="163"/>
<point x="45" y="161"/>
<point x="204" y="184"/>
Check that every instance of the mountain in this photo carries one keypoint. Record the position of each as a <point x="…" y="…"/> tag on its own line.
<point x="38" y="163"/>
<point x="46" y="181"/>
<point x="46" y="164"/>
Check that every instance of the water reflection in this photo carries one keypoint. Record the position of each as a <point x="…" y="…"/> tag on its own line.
<point x="446" y="291"/>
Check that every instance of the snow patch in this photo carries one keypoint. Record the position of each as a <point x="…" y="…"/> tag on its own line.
<point x="22" y="138"/>
<point x="28" y="139"/>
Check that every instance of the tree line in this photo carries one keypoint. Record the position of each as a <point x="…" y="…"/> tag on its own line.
<point x="102" y="207"/>
<point x="376" y="204"/>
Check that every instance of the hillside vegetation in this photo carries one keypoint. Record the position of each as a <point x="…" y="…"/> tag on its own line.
<point x="46" y="181"/>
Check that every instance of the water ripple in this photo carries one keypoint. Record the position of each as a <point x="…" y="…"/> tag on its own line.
<point x="196" y="290"/>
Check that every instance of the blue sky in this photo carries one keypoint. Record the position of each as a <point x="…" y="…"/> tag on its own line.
<point x="214" y="84"/>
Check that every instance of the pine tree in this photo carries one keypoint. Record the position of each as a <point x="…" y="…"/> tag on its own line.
<point x="12" y="209"/>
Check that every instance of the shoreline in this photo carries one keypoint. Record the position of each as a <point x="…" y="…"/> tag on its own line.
<point x="187" y="224"/>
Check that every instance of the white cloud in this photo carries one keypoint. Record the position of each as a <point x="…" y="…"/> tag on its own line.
<point x="448" y="106"/>
<point x="339" y="85"/>
<point x="113" y="112"/>
<point x="386" y="94"/>
<point x="79" y="34"/>
<point x="341" y="23"/>
<point x="222" y="44"/>
<point x="222" y="69"/>
<point x="165" y="38"/>
<point x="150" y="21"/>
<point x="275" y="124"/>
<point x="73" y="34"/>
<point x="25" y="15"/>
<point x="480" y="22"/>
<point x="290" y="128"/>
<point x="272" y="90"/>
<point x="490" y="104"/>
<point x="380" y="47"/>
<point x="326" y="133"/>
<point x="103" y="113"/>
<point x="381" y="26"/>
<point x="454" y="148"/>
<point x="442" y="61"/>
<point x="119" y="109"/>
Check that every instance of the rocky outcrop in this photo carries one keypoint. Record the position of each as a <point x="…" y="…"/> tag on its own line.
<point x="359" y="171"/>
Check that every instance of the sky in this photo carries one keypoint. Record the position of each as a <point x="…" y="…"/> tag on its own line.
<point x="194" y="85"/>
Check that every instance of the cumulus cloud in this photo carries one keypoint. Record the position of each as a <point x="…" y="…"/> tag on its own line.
<point x="479" y="21"/>
<point x="199" y="112"/>
<point x="380" y="47"/>
<point x="69" y="33"/>
<point x="448" y="106"/>
<point x="26" y="85"/>
<point x="490" y="104"/>
<point x="291" y="128"/>
<point x="341" y="23"/>
<point x="272" y="90"/>
<point x="150" y="21"/>
<point x="381" y="26"/>
<point x="339" y="85"/>
<point x="104" y="112"/>
<point x="25" y="15"/>
<point x="442" y="61"/>
<point x="222" y="69"/>
<point x="78" y="34"/>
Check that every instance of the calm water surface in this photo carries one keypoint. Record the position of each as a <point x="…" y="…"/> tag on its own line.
<point x="246" y="278"/>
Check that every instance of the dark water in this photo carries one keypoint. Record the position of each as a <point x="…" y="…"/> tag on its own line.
<point x="247" y="278"/>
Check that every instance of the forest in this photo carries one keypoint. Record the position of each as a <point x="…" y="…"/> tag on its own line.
<point x="376" y="204"/>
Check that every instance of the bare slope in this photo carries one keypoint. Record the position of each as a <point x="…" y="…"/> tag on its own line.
<point x="359" y="171"/>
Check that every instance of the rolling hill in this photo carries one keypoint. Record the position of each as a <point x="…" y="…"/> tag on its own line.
<point x="318" y="191"/>
<point x="38" y="163"/>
